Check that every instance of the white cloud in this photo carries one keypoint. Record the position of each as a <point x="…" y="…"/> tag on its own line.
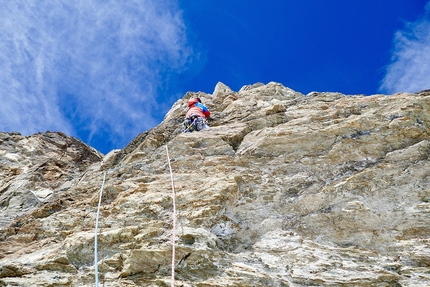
<point x="409" y="70"/>
<point x="88" y="68"/>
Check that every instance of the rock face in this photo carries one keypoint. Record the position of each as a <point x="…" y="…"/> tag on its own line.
<point x="283" y="190"/>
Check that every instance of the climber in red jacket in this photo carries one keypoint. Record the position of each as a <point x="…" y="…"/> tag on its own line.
<point x="195" y="119"/>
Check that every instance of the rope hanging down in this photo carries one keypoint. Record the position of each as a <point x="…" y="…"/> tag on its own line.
<point x="96" y="231"/>
<point x="96" y="271"/>
<point x="174" y="219"/>
<point x="174" y="223"/>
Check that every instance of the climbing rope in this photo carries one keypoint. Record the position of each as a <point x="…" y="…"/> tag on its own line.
<point x="97" y="223"/>
<point x="174" y="219"/>
<point x="96" y="231"/>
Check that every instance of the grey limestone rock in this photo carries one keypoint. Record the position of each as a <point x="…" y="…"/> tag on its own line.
<point x="283" y="190"/>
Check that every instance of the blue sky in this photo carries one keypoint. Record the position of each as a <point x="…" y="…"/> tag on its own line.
<point x="104" y="71"/>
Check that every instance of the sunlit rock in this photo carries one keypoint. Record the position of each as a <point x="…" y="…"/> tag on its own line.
<point x="283" y="190"/>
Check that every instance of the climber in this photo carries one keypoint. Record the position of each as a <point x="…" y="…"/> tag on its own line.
<point x="195" y="119"/>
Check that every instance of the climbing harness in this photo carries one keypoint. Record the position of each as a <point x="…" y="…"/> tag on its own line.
<point x="190" y="124"/>
<point x="194" y="123"/>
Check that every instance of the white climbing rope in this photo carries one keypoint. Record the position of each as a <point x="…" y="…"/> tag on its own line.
<point x="96" y="231"/>
<point x="97" y="224"/>
<point x="174" y="219"/>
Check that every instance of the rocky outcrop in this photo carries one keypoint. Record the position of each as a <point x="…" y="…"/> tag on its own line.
<point x="283" y="190"/>
<point x="33" y="169"/>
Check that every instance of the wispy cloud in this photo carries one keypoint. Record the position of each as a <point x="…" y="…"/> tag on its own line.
<point x="88" y="68"/>
<point x="409" y="70"/>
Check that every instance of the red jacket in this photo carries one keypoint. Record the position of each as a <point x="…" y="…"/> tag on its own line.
<point x="195" y="107"/>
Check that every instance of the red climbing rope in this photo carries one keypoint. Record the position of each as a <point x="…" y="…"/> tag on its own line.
<point x="174" y="219"/>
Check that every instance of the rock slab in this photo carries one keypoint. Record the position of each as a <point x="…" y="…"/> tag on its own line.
<point x="284" y="189"/>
